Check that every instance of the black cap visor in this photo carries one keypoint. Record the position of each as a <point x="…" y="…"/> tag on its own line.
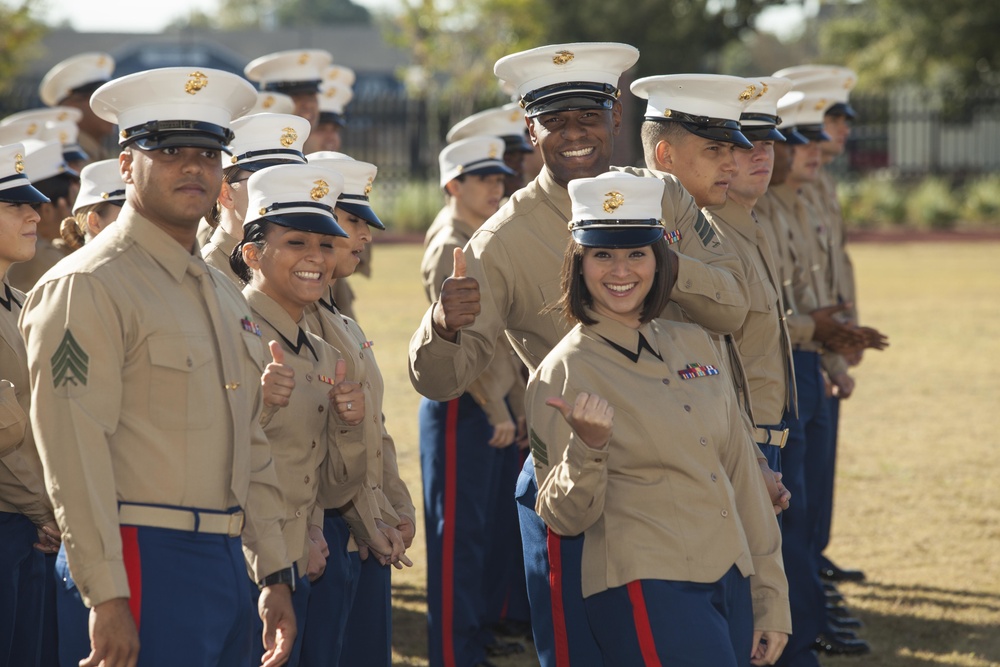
<point x="177" y="134"/>
<point x="293" y="87"/>
<point x="333" y="117"/>
<point x="842" y="109"/>
<point x="716" y="129"/>
<point x="617" y="233"/>
<point x="516" y="143"/>
<point x="315" y="223"/>
<point x="363" y="211"/>
<point x="22" y="194"/>
<point x="793" y="137"/>
<point x="812" y="132"/>
<point x="762" y="133"/>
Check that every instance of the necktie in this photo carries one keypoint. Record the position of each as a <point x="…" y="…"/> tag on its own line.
<point x="232" y="374"/>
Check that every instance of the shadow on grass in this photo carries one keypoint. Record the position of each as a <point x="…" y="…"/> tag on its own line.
<point x="908" y="635"/>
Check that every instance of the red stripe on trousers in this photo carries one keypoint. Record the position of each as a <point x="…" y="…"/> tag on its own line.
<point x="448" y="538"/>
<point x="133" y="570"/>
<point x="555" y="586"/>
<point x="643" y="631"/>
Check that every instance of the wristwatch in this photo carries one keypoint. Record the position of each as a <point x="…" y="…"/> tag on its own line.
<point x="285" y="576"/>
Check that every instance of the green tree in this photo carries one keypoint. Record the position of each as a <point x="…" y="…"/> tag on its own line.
<point x="892" y="42"/>
<point x="19" y="30"/>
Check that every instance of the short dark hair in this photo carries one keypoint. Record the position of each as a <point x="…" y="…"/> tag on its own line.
<point x="576" y="297"/>
<point x="653" y="132"/>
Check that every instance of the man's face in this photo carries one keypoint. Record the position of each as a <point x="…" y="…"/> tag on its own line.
<point x="325" y="137"/>
<point x="307" y="106"/>
<point x="576" y="144"/>
<point x="782" y="162"/>
<point x="705" y="167"/>
<point x="753" y="171"/>
<point x="172" y="187"/>
<point x="839" y="129"/>
<point x="805" y="163"/>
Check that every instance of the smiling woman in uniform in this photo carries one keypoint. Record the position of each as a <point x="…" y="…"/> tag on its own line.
<point x="639" y="445"/>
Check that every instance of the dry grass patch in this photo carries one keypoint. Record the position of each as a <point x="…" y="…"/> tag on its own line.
<point x="918" y="493"/>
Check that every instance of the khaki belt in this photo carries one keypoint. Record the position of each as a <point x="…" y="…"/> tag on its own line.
<point x="771" y="436"/>
<point x="180" y="518"/>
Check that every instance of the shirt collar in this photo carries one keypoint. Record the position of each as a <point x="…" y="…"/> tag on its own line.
<point x="162" y="247"/>
<point x="626" y="340"/>
<point x="272" y="313"/>
<point x="223" y="240"/>
<point x="736" y="216"/>
<point x="557" y="194"/>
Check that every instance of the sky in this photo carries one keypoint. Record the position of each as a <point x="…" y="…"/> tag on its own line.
<point x="125" y="16"/>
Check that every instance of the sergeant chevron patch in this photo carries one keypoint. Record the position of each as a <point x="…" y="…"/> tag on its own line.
<point x="539" y="449"/>
<point x="705" y="232"/>
<point x="69" y="363"/>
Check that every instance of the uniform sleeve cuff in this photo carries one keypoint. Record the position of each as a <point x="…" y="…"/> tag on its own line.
<point x="104" y="581"/>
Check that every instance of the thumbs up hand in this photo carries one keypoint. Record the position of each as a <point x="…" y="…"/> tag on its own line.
<point x="590" y="417"/>
<point x="347" y="398"/>
<point x="278" y="380"/>
<point x="458" y="304"/>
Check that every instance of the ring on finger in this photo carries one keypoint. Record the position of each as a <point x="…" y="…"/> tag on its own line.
<point x="350" y="406"/>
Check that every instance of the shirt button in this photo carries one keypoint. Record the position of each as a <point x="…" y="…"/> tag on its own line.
<point x="687" y="408"/>
<point x="378" y="454"/>
<point x="306" y="480"/>
<point x="725" y="513"/>
<point x="769" y="306"/>
<point x="320" y="408"/>
<point x="298" y="513"/>
<point x="714" y="477"/>
<point x="309" y="377"/>
<point x="666" y="380"/>
<point x="189" y="362"/>
<point x="687" y="283"/>
<point x="314" y="444"/>
<point x="361" y="354"/>
<point x="718" y="295"/>
<point x="703" y="441"/>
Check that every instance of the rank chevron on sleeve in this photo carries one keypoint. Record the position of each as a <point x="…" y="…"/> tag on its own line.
<point x="69" y="363"/>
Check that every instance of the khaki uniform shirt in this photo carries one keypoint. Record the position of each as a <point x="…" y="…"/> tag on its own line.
<point x="382" y="494"/>
<point x="217" y="251"/>
<point x="22" y="484"/>
<point x="809" y="244"/>
<point x="677" y="494"/>
<point x="145" y="376"/>
<point x="798" y="297"/>
<point x="516" y="256"/>
<point x="343" y="296"/>
<point x="762" y="341"/>
<point x="24" y="275"/>
<point x="13" y="419"/>
<point x="827" y="201"/>
<point x="503" y="374"/>
<point x="306" y="432"/>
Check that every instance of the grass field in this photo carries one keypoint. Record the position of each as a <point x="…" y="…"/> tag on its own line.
<point x="918" y="491"/>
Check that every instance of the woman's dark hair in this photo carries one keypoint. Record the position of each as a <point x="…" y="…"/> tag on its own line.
<point x="576" y="298"/>
<point x="252" y="233"/>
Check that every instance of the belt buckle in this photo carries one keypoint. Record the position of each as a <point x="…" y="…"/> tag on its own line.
<point x="236" y="523"/>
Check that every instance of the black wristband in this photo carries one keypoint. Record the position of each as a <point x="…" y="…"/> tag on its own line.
<point x="285" y="576"/>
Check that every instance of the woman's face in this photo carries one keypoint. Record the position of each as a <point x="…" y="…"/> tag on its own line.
<point x="292" y="267"/>
<point x="349" y="249"/>
<point x="18" y="233"/>
<point x="618" y="280"/>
